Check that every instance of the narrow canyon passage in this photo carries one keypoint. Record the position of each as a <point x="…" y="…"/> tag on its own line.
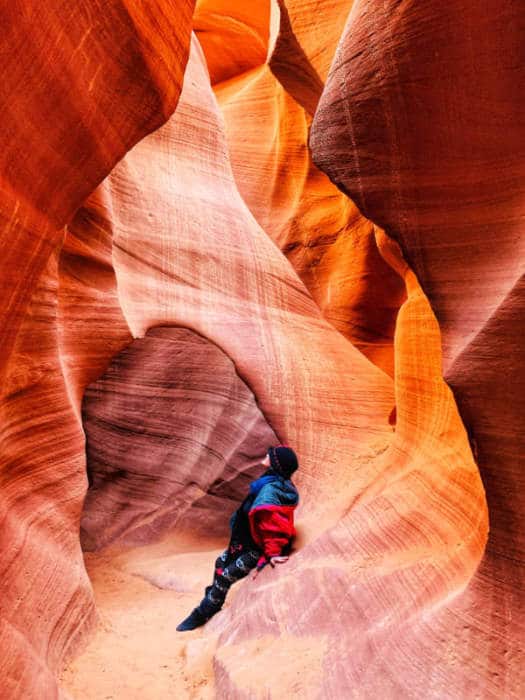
<point x="173" y="439"/>
<point x="225" y="225"/>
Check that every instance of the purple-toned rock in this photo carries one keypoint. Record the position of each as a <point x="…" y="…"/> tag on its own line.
<point x="169" y="424"/>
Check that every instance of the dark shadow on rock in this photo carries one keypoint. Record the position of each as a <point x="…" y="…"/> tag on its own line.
<point x="169" y="425"/>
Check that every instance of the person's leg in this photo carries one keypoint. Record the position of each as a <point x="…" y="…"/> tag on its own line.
<point x="223" y="579"/>
<point x="222" y="560"/>
<point x="230" y="566"/>
<point x="230" y="554"/>
<point x="197" y="617"/>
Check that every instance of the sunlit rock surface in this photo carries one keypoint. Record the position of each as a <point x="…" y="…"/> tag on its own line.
<point x="245" y="297"/>
<point x="234" y="35"/>
<point x="323" y="234"/>
<point x="428" y="138"/>
<point x="305" y="42"/>
<point x="414" y="534"/>
<point x="218" y="228"/>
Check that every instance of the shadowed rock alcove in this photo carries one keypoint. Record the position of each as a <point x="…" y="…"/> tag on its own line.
<point x="173" y="433"/>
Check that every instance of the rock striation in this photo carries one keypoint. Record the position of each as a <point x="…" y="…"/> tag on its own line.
<point x="427" y="138"/>
<point x="287" y="227"/>
<point x="79" y="88"/>
<point x="409" y="507"/>
<point x="168" y="425"/>
<point x="413" y="536"/>
<point x="234" y="35"/>
<point x="329" y="242"/>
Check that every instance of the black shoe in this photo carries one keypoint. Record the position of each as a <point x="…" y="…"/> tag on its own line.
<point x="195" y="619"/>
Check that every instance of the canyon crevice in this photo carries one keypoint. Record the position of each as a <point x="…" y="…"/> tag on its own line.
<point x="226" y="228"/>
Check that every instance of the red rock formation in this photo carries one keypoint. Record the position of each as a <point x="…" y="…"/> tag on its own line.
<point x="242" y="294"/>
<point x="329" y="243"/>
<point x="62" y="79"/>
<point x="79" y="88"/>
<point x="91" y="328"/>
<point x="234" y="35"/>
<point x="427" y="143"/>
<point x="305" y="45"/>
<point x="384" y="596"/>
<point x="168" y="425"/>
<point x="408" y="512"/>
<point x="427" y="138"/>
<point x="412" y="536"/>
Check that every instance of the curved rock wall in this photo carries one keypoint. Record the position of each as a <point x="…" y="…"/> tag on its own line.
<point x="234" y="35"/>
<point x="79" y="88"/>
<point x="305" y="45"/>
<point x="322" y="233"/>
<point x="427" y="138"/>
<point x="407" y="507"/>
<point x="192" y="242"/>
<point x="168" y="425"/>
<point x="329" y="326"/>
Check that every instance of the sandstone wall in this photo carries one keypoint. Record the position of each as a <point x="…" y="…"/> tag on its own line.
<point x="323" y="249"/>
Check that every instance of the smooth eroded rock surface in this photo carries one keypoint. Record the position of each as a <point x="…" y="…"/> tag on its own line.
<point x="80" y="85"/>
<point x="421" y="123"/>
<point x="211" y="281"/>
<point x="330" y="244"/>
<point x="392" y="524"/>
<point x="169" y="424"/>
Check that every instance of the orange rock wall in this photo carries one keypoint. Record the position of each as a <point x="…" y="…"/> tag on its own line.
<point x="79" y="88"/>
<point x="220" y="222"/>
<point x="163" y="434"/>
<point x="234" y="35"/>
<point x="427" y="138"/>
<point x="323" y="234"/>
<point x="407" y="508"/>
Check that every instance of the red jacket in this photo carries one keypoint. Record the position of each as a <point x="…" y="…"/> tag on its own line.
<point x="272" y="528"/>
<point x="270" y="509"/>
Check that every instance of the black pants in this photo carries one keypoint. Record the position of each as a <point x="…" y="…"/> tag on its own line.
<point x="234" y="563"/>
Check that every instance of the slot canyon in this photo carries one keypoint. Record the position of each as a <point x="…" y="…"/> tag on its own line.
<point x="231" y="225"/>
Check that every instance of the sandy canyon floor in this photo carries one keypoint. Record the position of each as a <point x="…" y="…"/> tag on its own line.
<point x="135" y="652"/>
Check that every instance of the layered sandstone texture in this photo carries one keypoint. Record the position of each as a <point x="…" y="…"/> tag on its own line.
<point x="80" y="86"/>
<point x="428" y="138"/>
<point x="302" y="224"/>
<point x="164" y="433"/>
<point x="329" y="243"/>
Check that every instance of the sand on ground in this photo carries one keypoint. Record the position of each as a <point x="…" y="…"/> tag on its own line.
<point x="135" y="652"/>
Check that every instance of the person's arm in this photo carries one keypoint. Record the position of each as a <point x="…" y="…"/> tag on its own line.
<point x="273" y="561"/>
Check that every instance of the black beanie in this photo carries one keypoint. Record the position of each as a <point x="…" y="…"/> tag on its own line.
<point x="283" y="460"/>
